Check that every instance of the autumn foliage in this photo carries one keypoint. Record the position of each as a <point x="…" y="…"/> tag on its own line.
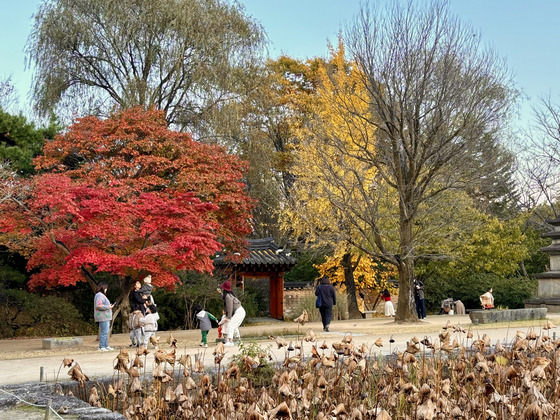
<point x="127" y="196"/>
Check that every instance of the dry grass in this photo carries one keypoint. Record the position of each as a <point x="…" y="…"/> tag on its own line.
<point x="459" y="376"/>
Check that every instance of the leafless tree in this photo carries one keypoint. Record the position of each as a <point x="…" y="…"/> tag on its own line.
<point x="190" y="58"/>
<point x="540" y="169"/>
<point x="437" y="98"/>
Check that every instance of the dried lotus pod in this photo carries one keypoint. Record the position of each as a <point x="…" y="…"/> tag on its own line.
<point x="136" y="385"/>
<point x="379" y="342"/>
<point x="310" y="335"/>
<point x="94" y="399"/>
<point x="303" y="318"/>
<point x="339" y="410"/>
<point x="66" y="362"/>
<point x="280" y="411"/>
<point x="190" y="384"/>
<point x="220" y="349"/>
<point x="77" y="375"/>
<point x="548" y="325"/>
<point x="280" y="342"/>
<point x="133" y="372"/>
<point x="185" y="360"/>
<point x="154" y="340"/>
<point x="142" y="351"/>
<point x="137" y="362"/>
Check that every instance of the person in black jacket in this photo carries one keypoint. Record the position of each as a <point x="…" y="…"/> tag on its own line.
<point x="325" y="291"/>
<point x="139" y="299"/>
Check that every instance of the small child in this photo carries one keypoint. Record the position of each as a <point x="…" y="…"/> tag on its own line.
<point x="205" y="319"/>
<point x="147" y="289"/>
<point x="223" y="327"/>
<point x="150" y="325"/>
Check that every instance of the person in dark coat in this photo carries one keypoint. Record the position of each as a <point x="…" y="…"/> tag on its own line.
<point x="327" y="295"/>
<point x="138" y="298"/>
<point x="419" y="298"/>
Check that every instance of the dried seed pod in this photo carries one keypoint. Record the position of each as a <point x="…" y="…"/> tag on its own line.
<point x="303" y="318"/>
<point x="67" y="362"/>
<point x="310" y="335"/>
<point x="136" y="385"/>
<point x="94" y="397"/>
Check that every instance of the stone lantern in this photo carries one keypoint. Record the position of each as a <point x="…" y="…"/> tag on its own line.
<point x="549" y="282"/>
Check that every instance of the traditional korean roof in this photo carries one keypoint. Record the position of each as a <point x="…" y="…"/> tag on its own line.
<point x="262" y="252"/>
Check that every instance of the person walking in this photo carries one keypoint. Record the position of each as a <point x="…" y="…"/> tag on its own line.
<point x="419" y="298"/>
<point x="205" y="319"/>
<point x="326" y="299"/>
<point x="103" y="314"/>
<point x="389" y="308"/>
<point x="235" y="314"/>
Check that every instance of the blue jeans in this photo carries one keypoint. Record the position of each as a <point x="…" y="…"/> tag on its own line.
<point x="104" y="334"/>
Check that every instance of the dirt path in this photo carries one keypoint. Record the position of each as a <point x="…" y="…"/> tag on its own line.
<point x="22" y="360"/>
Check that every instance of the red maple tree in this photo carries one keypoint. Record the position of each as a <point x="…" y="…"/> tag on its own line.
<point x="126" y="196"/>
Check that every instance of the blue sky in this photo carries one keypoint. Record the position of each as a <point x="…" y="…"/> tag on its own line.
<point x="526" y="34"/>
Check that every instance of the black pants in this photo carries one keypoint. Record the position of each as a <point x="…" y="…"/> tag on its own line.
<point x="420" y="308"/>
<point x="326" y="315"/>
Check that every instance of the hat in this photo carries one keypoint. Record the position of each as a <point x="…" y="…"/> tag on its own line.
<point x="226" y="285"/>
<point x="148" y="279"/>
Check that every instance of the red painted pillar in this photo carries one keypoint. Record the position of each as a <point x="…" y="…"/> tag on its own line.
<point x="273" y="300"/>
<point x="277" y="296"/>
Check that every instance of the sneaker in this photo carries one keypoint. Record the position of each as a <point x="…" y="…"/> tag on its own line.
<point x="201" y="344"/>
<point x="109" y="348"/>
<point x="206" y="346"/>
<point x="229" y="344"/>
<point x="102" y="349"/>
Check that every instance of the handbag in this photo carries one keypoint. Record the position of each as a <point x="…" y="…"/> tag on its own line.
<point x="318" y="302"/>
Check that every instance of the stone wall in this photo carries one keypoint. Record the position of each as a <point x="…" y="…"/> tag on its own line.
<point x="508" y="315"/>
<point x="295" y="297"/>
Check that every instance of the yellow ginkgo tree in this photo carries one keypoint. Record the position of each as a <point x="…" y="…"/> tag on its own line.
<point x="370" y="277"/>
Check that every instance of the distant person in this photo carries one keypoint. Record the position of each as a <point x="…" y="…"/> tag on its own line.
<point x="460" y="308"/>
<point x="149" y="324"/>
<point x="135" y="327"/>
<point x="419" y="298"/>
<point x="389" y="308"/>
<point x="235" y="314"/>
<point x="447" y="306"/>
<point x="487" y="300"/>
<point x="326" y="299"/>
<point x="103" y="314"/>
<point x="205" y="319"/>
<point x="138" y="298"/>
<point x="147" y="289"/>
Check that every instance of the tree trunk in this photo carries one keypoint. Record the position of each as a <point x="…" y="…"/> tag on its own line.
<point x="353" y="310"/>
<point x="406" y="310"/>
<point x="122" y="304"/>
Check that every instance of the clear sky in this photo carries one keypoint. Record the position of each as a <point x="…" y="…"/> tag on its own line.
<point x="526" y="34"/>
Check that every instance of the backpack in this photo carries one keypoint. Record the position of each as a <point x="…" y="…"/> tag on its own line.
<point x="134" y="320"/>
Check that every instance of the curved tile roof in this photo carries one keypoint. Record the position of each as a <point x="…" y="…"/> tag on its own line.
<point x="263" y="252"/>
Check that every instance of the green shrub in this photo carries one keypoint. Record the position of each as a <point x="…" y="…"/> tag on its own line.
<point x="261" y="374"/>
<point x="30" y="315"/>
<point x="508" y="292"/>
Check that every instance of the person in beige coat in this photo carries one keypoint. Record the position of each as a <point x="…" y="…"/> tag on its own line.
<point x="487" y="300"/>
